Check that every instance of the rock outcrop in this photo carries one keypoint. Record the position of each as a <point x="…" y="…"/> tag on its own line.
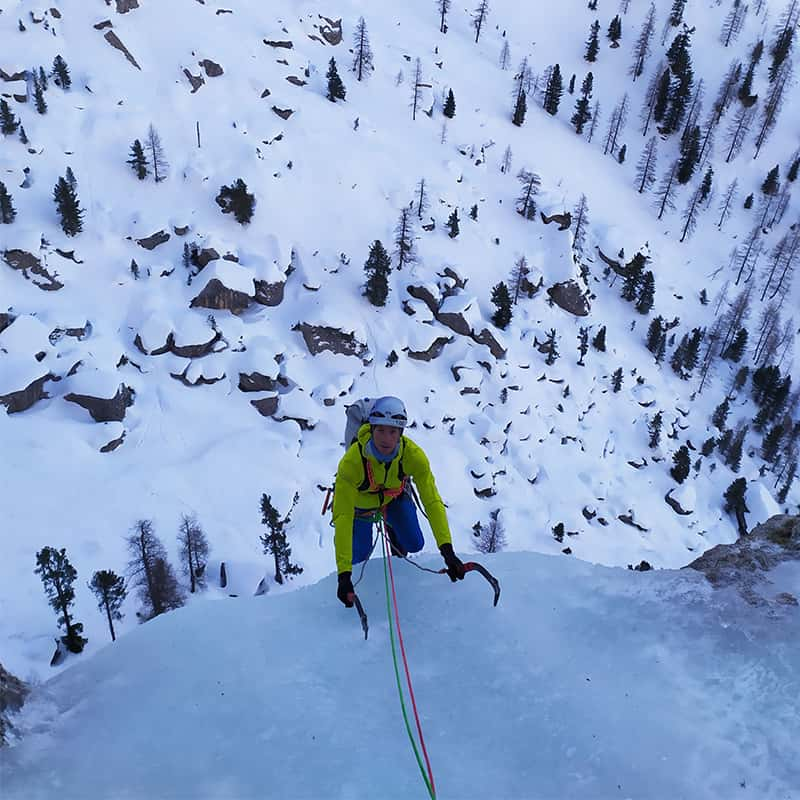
<point x="105" y="409"/>
<point x="319" y="338"/>
<point x="569" y="296"/>
<point x="12" y="695"/>
<point x="23" y="399"/>
<point x="26" y="262"/>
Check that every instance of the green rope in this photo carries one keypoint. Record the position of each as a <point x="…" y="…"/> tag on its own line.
<point x="386" y="556"/>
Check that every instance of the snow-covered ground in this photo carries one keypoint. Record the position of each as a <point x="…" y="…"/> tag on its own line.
<point x="584" y="682"/>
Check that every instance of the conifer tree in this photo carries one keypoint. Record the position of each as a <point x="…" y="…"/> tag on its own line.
<point x="23" y="137"/>
<point x="676" y="14"/>
<point x="473" y="212"/>
<point x="790" y="476"/>
<point x="8" y="122"/>
<point x="599" y="341"/>
<point x="42" y="78"/>
<point x="691" y="212"/>
<point x="791" y="176"/>
<point x="421" y="198"/>
<point x="151" y="572"/>
<point x="655" y="333"/>
<point x="553" y="91"/>
<point x="622" y="153"/>
<point x="61" y="73"/>
<point x="633" y="278"/>
<point x="654" y="429"/>
<point x="505" y="164"/>
<point x="615" y="31"/>
<point x="236" y="200"/>
<point x="58" y="575"/>
<point x="705" y="186"/>
<point x="771" y="183"/>
<point x="571" y="84"/>
<point x="110" y="591"/>
<point x="771" y="442"/>
<point x="68" y="206"/>
<point x="732" y="25"/>
<point x="479" y="18"/>
<point x="748" y="201"/>
<point x="416" y="89"/>
<point x="336" y="90"/>
<point x="583" y="344"/>
<point x="38" y="96"/>
<point x="404" y="239"/>
<point x="519" y="274"/>
<point x="593" y="43"/>
<point x="736" y="348"/>
<point x="526" y="202"/>
<point x="616" y="380"/>
<point x="520" y="101"/>
<point x="449" y="109"/>
<point x="137" y="160"/>
<point x="362" y="53"/>
<point x="377" y="268"/>
<point x="708" y="446"/>
<point x="735" y="502"/>
<point x="551" y="347"/>
<point x="443" y="6"/>
<point x="275" y="542"/>
<point x="502" y="300"/>
<point x="193" y="552"/>
<point x="646" y="293"/>
<point x="582" y="114"/>
<point x="661" y="96"/>
<point x="452" y="224"/>
<point x="733" y="457"/>
<point x="646" y="168"/>
<point x="7" y="211"/>
<point x="690" y="153"/>
<point x="580" y="220"/>
<point x="720" y="415"/>
<point x="681" y="464"/>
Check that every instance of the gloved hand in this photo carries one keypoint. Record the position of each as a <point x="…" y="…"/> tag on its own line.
<point x="455" y="566"/>
<point x="346" y="592"/>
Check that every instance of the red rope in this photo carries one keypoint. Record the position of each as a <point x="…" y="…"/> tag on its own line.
<point x="405" y="661"/>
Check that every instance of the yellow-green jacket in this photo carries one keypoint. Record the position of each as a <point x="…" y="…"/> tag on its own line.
<point x="347" y="496"/>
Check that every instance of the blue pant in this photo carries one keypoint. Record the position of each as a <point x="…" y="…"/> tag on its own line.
<point x="401" y="517"/>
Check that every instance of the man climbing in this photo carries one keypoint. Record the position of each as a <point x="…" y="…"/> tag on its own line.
<point x="371" y="478"/>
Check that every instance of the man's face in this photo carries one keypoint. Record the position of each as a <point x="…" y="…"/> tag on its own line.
<point x="386" y="438"/>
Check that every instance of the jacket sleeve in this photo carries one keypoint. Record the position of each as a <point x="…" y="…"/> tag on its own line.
<point x="419" y="468"/>
<point x="348" y="477"/>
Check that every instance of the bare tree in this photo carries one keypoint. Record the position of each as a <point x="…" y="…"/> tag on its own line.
<point x="646" y="168"/>
<point x="726" y="94"/>
<point x="157" y="159"/>
<point x="526" y="202"/>
<point x="784" y="257"/>
<point x="519" y="274"/>
<point x="595" y="120"/>
<point x="666" y="190"/>
<point x="738" y="130"/>
<point x="747" y="255"/>
<point x="505" y="164"/>
<point x="362" y="52"/>
<point x="580" y="217"/>
<point x="416" y="92"/>
<point x="491" y="538"/>
<point x="404" y="239"/>
<point x="193" y="552"/>
<point x="735" y="317"/>
<point x="650" y="98"/>
<point x="641" y="49"/>
<point x="479" y="17"/>
<point x="691" y="212"/>
<point x="732" y="25"/>
<point x="151" y="573"/>
<point x="728" y="198"/>
<point x="505" y="55"/>
<point x="444" y="7"/>
<point x="774" y="104"/>
<point x="421" y="198"/>
<point x="618" y="118"/>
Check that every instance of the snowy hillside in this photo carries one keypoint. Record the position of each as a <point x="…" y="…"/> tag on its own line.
<point x="234" y="384"/>
<point x="582" y="683"/>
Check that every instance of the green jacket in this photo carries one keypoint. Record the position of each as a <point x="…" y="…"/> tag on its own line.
<point x="347" y="497"/>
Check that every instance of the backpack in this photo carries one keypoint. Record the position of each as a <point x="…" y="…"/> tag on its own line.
<point x="357" y="415"/>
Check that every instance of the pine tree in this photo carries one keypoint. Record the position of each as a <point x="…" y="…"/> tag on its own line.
<point x="676" y="14"/>
<point x="681" y="464"/>
<point x="771" y="182"/>
<point x="583" y="344"/>
<point x="599" y="341"/>
<point x="580" y="219"/>
<point x="68" y="207"/>
<point x="690" y="213"/>
<point x="473" y="212"/>
<point x="720" y="415"/>
<point x="505" y="164"/>
<point x="708" y="446"/>
<point x="526" y="202"/>
<point x="571" y="84"/>
<point x="735" y="496"/>
<point x="655" y="333"/>
<point x="618" y="118"/>
<point x="646" y="293"/>
<point x="615" y="31"/>
<point x="622" y="153"/>
<point x="137" y="160"/>
<point x="110" y="591"/>
<point x="582" y="114"/>
<point x="502" y="300"/>
<point x="275" y="542"/>
<point x="8" y="122"/>
<point x="377" y="268"/>
<point x="771" y="443"/>
<point x="553" y="92"/>
<point x="404" y="239"/>
<point x="661" y="97"/>
<point x="336" y="90"/>
<point x="23" y="137"/>
<point x="733" y="457"/>
<point x="654" y="429"/>
<point x="616" y="380"/>
<point x="70" y="178"/>
<point x="790" y="476"/>
<point x="151" y="573"/>
<point x="519" y="274"/>
<point x="520" y="109"/>
<point x="57" y="576"/>
<point x="416" y="89"/>
<point x="38" y="96"/>
<point x="421" y="198"/>
<point x="452" y="224"/>
<point x="157" y="161"/>
<point x="633" y="278"/>
<point x="736" y="348"/>
<point x="236" y="200"/>
<point x="705" y="186"/>
<point x="595" y="119"/>
<point x="7" y="211"/>
<point x="792" y="174"/>
<point x="732" y="25"/>
<point x="552" y="348"/>
<point x="688" y="160"/>
<point x="593" y="44"/>
<point x="42" y="78"/>
<point x="362" y="53"/>
<point x="443" y="6"/>
<point x="193" y="552"/>
<point x="61" y="73"/>
<point x="449" y="109"/>
<point x="748" y="201"/>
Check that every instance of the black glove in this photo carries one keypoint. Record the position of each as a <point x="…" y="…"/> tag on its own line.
<point x="455" y="566"/>
<point x="346" y="592"/>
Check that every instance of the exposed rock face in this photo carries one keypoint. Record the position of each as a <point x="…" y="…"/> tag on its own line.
<point x="270" y="43"/>
<point x="332" y="31"/>
<point x="12" y="695"/>
<point x="563" y="220"/>
<point x="27" y="262"/>
<point x="14" y="76"/>
<point x="184" y="351"/>
<point x="293" y="79"/>
<point x="269" y="294"/>
<point x="744" y="563"/>
<point x="23" y="399"/>
<point x="319" y="338"/>
<point x="569" y="296"/>
<point x="202" y="258"/>
<point x="218" y="296"/>
<point x="151" y="242"/>
<point x="675" y="505"/>
<point x="283" y="113"/>
<point x="102" y="409"/>
<point x="5" y="321"/>
<point x="114" y="41"/>
<point x="196" y="81"/>
<point x="213" y="70"/>
<point x="434" y="351"/>
<point x="124" y="6"/>
<point x="266" y="406"/>
<point x="256" y="382"/>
